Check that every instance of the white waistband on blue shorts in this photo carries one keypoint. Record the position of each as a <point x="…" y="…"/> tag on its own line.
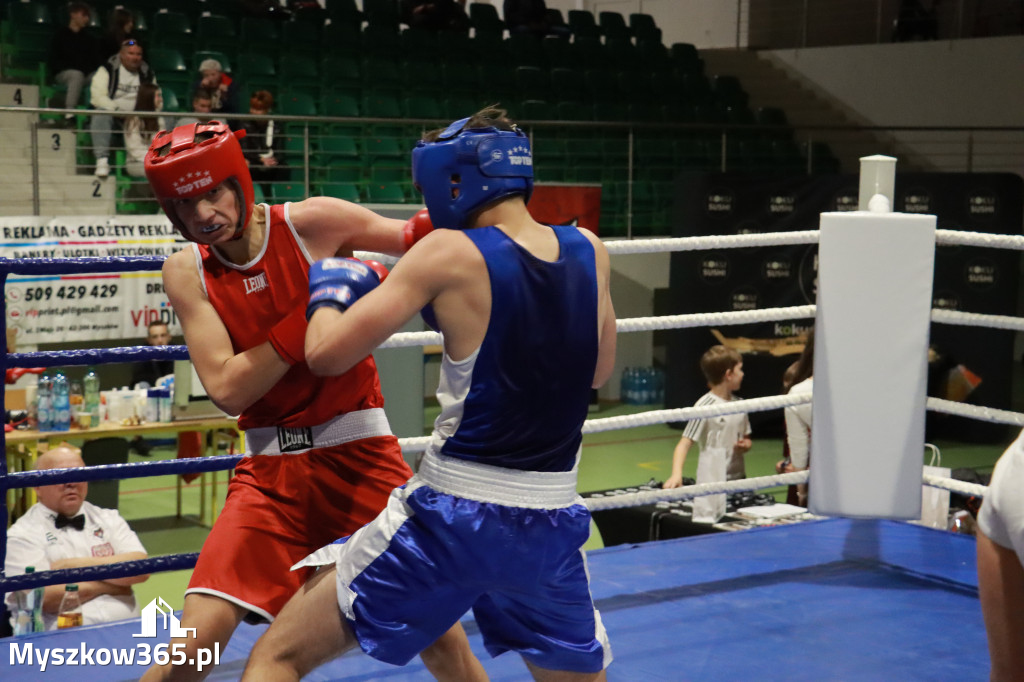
<point x="497" y="485"/>
<point x="344" y="428"/>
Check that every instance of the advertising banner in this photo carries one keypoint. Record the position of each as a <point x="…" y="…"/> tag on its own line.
<point x="969" y="364"/>
<point x="60" y="308"/>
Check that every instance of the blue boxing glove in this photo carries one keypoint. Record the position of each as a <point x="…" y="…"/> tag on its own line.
<point x="340" y="282"/>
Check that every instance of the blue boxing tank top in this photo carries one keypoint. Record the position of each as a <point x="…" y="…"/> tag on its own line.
<point x="520" y="400"/>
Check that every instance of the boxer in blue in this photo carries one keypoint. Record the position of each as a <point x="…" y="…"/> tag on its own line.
<point x="492" y="520"/>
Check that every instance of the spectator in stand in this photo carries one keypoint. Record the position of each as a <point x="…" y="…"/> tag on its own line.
<point x="74" y="55"/>
<point x="139" y="132"/>
<point x="62" y="530"/>
<point x="115" y="87"/>
<point x="202" y="104"/>
<point x="120" y="27"/>
<point x="435" y="15"/>
<point x="263" y="149"/>
<point x="223" y="90"/>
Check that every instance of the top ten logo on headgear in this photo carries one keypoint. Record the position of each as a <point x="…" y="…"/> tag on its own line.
<point x="186" y="185"/>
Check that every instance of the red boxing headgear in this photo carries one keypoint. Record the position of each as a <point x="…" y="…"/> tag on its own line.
<point x="193" y="159"/>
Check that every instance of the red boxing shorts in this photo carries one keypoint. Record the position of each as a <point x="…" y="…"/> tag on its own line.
<point x="280" y="508"/>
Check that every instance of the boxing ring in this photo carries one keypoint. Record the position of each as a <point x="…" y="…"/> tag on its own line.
<point x="832" y="599"/>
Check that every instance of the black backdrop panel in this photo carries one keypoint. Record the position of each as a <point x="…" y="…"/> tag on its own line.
<point x="969" y="279"/>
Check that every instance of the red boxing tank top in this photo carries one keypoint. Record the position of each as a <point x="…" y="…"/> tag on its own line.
<point x="251" y="299"/>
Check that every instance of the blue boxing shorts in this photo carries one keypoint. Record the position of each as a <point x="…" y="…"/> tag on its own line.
<point x="462" y="535"/>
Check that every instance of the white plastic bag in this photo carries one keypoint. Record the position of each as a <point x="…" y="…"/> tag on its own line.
<point x="935" y="501"/>
<point x="711" y="468"/>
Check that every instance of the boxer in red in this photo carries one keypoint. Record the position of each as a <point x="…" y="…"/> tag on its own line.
<point x="321" y="459"/>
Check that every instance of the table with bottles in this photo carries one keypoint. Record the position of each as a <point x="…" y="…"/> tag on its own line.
<point x="23" y="446"/>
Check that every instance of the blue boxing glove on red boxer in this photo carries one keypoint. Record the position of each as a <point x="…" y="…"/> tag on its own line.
<point x="340" y="282"/>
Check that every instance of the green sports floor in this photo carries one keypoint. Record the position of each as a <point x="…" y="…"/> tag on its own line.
<point x="611" y="459"/>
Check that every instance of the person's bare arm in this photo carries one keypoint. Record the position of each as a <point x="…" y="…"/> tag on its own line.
<point x="332" y="227"/>
<point x="87" y="591"/>
<point x="607" y="334"/>
<point x="1001" y="589"/>
<point x="232" y="381"/>
<point x="675" y="479"/>
<point x="85" y="561"/>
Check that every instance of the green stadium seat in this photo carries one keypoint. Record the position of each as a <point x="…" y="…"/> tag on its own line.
<point x="385" y="193"/>
<point x="170" y="99"/>
<point x="460" y="106"/>
<point x="421" y="76"/>
<point x="297" y="104"/>
<point x="170" y="29"/>
<point x="216" y="32"/>
<point x="534" y="110"/>
<point x="526" y="50"/>
<point x="347" y="191"/>
<point x="531" y="83"/>
<point x="339" y="103"/>
<point x="484" y="19"/>
<point x="686" y="58"/>
<point x="298" y="71"/>
<point x="567" y="84"/>
<point x="257" y="71"/>
<point x="582" y="23"/>
<point x="381" y="105"/>
<point x="340" y="39"/>
<point x="381" y="42"/>
<point x="423" y="106"/>
<point x="344" y="12"/>
<point x="301" y="37"/>
<point x="382" y="13"/>
<point x="460" y="77"/>
<point x="589" y="53"/>
<point x="621" y="54"/>
<point x="33" y="17"/>
<point x="644" y="28"/>
<point x="574" y="111"/>
<point x="381" y="75"/>
<point x="287" y="191"/>
<point x="729" y="92"/>
<point x="613" y="26"/>
<point x="259" y="33"/>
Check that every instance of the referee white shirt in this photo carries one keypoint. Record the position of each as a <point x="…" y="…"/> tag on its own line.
<point x="35" y="540"/>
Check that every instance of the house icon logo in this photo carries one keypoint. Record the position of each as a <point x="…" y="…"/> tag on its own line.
<point x="159" y="608"/>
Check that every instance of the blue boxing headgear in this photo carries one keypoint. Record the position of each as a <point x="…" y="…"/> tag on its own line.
<point x="466" y="169"/>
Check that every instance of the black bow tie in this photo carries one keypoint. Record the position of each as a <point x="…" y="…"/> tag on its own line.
<point x="76" y="522"/>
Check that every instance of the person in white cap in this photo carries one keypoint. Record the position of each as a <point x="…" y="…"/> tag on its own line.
<point x="223" y="89"/>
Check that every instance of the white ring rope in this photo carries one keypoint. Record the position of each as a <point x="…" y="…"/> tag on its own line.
<point x="739" y="241"/>
<point x="640" y="324"/>
<point x="639" y="246"/>
<point x="953" y="485"/>
<point x="632" y="499"/>
<point x="988" y="414"/>
<point x="732" y="241"/>
<point x="977" y="319"/>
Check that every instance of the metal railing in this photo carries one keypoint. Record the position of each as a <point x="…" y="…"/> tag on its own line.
<point x="635" y="163"/>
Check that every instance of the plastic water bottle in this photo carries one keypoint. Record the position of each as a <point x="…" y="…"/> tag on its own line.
<point x="34" y="604"/>
<point x="92" y="396"/>
<point x="61" y="402"/>
<point x="44" y="397"/>
<point x="70" y="614"/>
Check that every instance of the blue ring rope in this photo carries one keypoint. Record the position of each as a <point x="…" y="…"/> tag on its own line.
<point x="123" y="569"/>
<point x="31" y="479"/>
<point x="96" y="356"/>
